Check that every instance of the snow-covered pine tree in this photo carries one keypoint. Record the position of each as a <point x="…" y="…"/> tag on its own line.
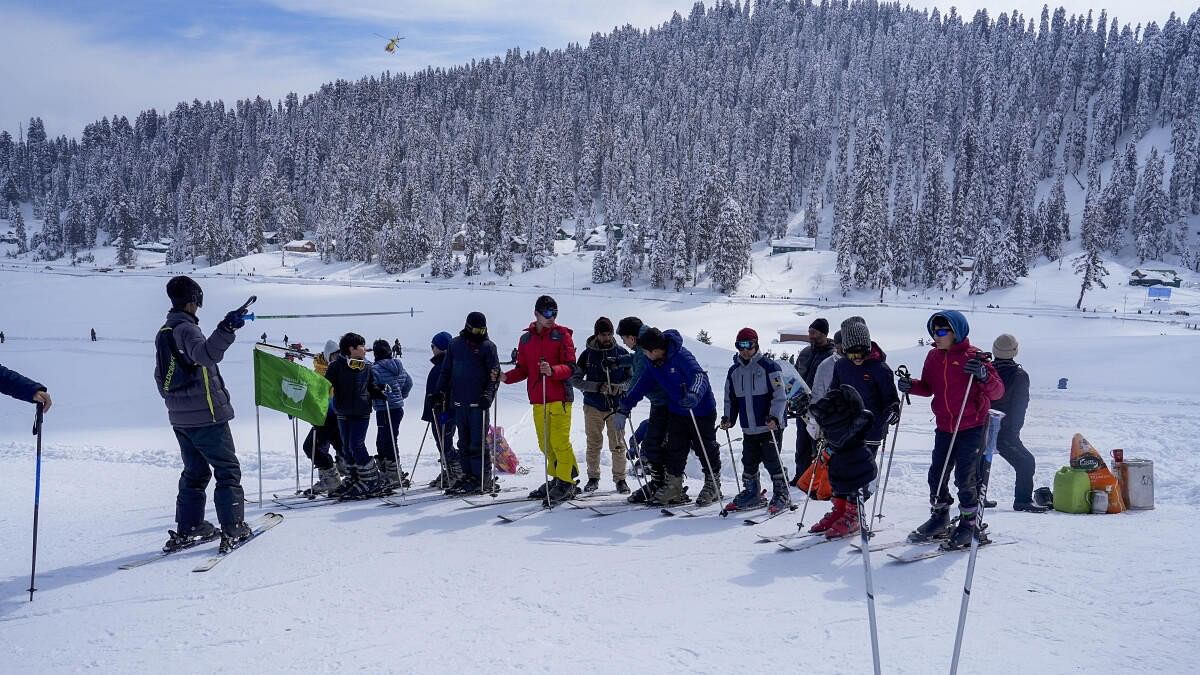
<point x="1151" y="212"/>
<point x="17" y="220"/>
<point x="1056" y="221"/>
<point x="52" y="247"/>
<point x="1089" y="265"/>
<point x="732" y="255"/>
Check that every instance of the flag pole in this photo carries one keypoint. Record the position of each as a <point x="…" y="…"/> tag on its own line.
<point x="258" y="433"/>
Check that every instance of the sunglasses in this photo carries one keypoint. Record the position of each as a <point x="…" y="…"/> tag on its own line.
<point x="549" y="313"/>
<point x="479" y="331"/>
<point x="744" y="344"/>
<point x="941" y="332"/>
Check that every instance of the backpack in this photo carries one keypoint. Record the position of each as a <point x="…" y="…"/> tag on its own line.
<point x="816" y="476"/>
<point x="172" y="368"/>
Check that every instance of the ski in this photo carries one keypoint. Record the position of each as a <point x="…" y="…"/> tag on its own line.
<point x="163" y="554"/>
<point x="327" y="501"/>
<point x="759" y="520"/>
<point x="519" y="514"/>
<point x="816" y="540"/>
<point x="424" y="498"/>
<point x="481" y="501"/>
<point x="760" y="504"/>
<point x="613" y="509"/>
<point x="881" y="546"/>
<point x="260" y="526"/>
<point x="925" y="553"/>
<point x="773" y="538"/>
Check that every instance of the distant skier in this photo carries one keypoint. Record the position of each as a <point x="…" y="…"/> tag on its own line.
<point x="602" y="380"/>
<point x="467" y="386"/>
<point x="1" y="337"/>
<point x="546" y="361"/>
<point x="354" y="389"/>
<point x="692" y="409"/>
<point x="397" y="350"/>
<point x="810" y="358"/>
<point x="438" y="418"/>
<point x="198" y="406"/>
<point x="948" y="368"/>
<point x="650" y="444"/>
<point x="396" y="383"/>
<point x="24" y="389"/>
<point x="1013" y="404"/>
<point x="263" y="337"/>
<point x="756" y="398"/>
<point x="93" y="335"/>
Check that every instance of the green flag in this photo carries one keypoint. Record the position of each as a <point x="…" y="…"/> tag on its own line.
<point x="290" y="388"/>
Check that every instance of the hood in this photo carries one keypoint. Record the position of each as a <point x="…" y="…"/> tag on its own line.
<point x="957" y="321"/>
<point x="674" y="342"/>
<point x="877" y="353"/>
<point x="593" y="343"/>
<point x="390" y="365"/>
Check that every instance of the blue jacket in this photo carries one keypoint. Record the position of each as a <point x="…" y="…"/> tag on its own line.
<point x="466" y="372"/>
<point x="754" y="391"/>
<point x="678" y="373"/>
<point x="875" y="383"/>
<point x="18" y="386"/>
<point x="591" y="373"/>
<point x="637" y="363"/>
<point x="431" y="385"/>
<point x="390" y="372"/>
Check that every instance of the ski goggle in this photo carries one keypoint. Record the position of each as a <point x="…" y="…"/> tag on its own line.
<point x="941" y="332"/>
<point x="744" y="345"/>
<point x="482" y="330"/>
<point x="549" y="313"/>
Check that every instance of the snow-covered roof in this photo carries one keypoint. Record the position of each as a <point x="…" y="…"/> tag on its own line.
<point x="794" y="242"/>
<point x="299" y="242"/>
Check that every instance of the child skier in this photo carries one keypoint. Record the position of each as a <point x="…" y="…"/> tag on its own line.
<point x="865" y="368"/>
<point x="354" y="388"/>
<point x="321" y="438"/>
<point x="844" y="423"/>
<point x="438" y="418"/>
<point x="963" y="384"/>
<point x="391" y="376"/>
<point x="468" y="383"/>
<point x="756" y="397"/>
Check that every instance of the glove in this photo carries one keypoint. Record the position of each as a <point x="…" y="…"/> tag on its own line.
<point x="611" y="362"/>
<point x="772" y="421"/>
<point x="725" y="423"/>
<point x="377" y="393"/>
<point x="894" y="414"/>
<point x="798" y="406"/>
<point x="485" y="401"/>
<point x="689" y="401"/>
<point x="904" y="384"/>
<point x="975" y="368"/>
<point x="814" y="429"/>
<point x="233" y="320"/>
<point x="437" y="400"/>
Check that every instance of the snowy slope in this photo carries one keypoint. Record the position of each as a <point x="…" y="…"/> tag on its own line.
<point x="433" y="588"/>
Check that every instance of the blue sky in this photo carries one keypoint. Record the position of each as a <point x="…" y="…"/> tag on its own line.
<point x="72" y="62"/>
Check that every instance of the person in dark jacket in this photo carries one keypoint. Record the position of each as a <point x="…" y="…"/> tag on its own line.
<point x="24" y="389"/>
<point x="397" y="349"/>
<point x="960" y="380"/>
<point x="865" y="368"/>
<point x="390" y="375"/>
<point x="651" y="444"/>
<point x="468" y="383"/>
<point x="320" y="438"/>
<point x="1013" y="404"/>
<point x="602" y="380"/>
<point x="819" y="348"/>
<point x="439" y="418"/>
<point x="845" y="423"/>
<point x="692" y="409"/>
<point x="756" y="397"/>
<point x="189" y="380"/>
<point x="354" y="388"/>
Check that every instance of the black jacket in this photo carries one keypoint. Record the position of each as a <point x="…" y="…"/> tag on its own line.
<point x="809" y="358"/>
<point x="1015" y="400"/>
<point x="467" y="370"/>
<point x="352" y="388"/>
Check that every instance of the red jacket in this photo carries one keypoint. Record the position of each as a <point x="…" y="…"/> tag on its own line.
<point x="943" y="377"/>
<point x="557" y="348"/>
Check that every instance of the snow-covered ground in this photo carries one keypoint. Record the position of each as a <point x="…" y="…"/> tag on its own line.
<point x="433" y="588"/>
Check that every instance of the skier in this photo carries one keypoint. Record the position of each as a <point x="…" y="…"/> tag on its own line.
<point x="546" y="361"/>
<point x="354" y="389"/>
<point x="601" y="383"/>
<point x="397" y="350"/>
<point x="756" y="397"/>
<point x="1013" y="404"/>
<point x="810" y="358"/>
<point x="391" y="376"/>
<point x="468" y="382"/>
<point x="865" y="368"/>
<point x="1" y="337"/>
<point x="320" y="438"/>
<point x="844" y="423"/>
<point x="93" y="335"/>
<point x="189" y="380"/>
<point x="438" y="418"/>
<point x="22" y="388"/>
<point x="653" y="438"/>
<point x="948" y="368"/>
<point x="263" y="337"/>
<point x="692" y="414"/>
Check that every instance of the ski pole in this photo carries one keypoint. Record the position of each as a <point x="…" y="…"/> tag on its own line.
<point x="732" y="459"/>
<point x="483" y="419"/>
<point x="817" y="448"/>
<point x="704" y="456"/>
<point x="495" y="436"/>
<point x="412" y="474"/>
<point x="993" y="431"/>
<point x="779" y="455"/>
<point x="392" y="432"/>
<point x="441" y="444"/>
<point x="637" y="448"/>
<point x="296" y="450"/>
<point x="953" y="437"/>
<point x="865" y="539"/>
<point x="545" y="438"/>
<point x="37" y="495"/>
<point x="877" y="507"/>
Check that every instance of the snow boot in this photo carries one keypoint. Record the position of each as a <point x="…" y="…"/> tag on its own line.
<point x="847" y="523"/>
<point x="327" y="479"/>
<point x="989" y="504"/>
<point x="656" y="478"/>
<point x="750" y="497"/>
<point x="391" y="475"/>
<point x="937" y="527"/>
<point x="669" y="492"/>
<point x="711" y="491"/>
<point x="197" y="534"/>
<point x="1029" y="507"/>
<point x="593" y="484"/>
<point x="349" y="479"/>
<point x="966" y="527"/>
<point x="781" y="497"/>
<point x="622" y="487"/>
<point x="827" y="521"/>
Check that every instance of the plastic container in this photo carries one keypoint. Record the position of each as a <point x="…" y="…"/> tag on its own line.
<point x="1099" y="500"/>
<point x="1137" y="483"/>
<point x="1072" y="488"/>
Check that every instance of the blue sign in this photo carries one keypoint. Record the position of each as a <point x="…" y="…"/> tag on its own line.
<point x="1158" y="293"/>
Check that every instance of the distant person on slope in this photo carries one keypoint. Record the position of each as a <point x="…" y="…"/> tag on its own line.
<point x="948" y="368"/>
<point x="24" y="389"/>
<point x="391" y="376"/>
<point x="652" y="440"/>
<point x="546" y="361"/>
<point x="1013" y="404"/>
<point x="602" y="380"/>
<point x="810" y="358"/>
<point x="466" y="387"/>
<point x="354" y="389"/>
<point x="437" y="417"/>
<point x="189" y="380"/>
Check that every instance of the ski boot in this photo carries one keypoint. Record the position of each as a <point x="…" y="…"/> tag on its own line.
<point x="827" y="521"/>
<point x="198" y="534"/>
<point x="656" y="479"/>
<point x="593" y="484"/>
<point x="327" y="479"/>
<point x="670" y="492"/>
<point x="369" y="483"/>
<point x="561" y="491"/>
<point x="781" y="497"/>
<point x="349" y="479"/>
<point x="622" y="486"/>
<point x="966" y="527"/>
<point x="847" y="523"/>
<point x="233" y="536"/>
<point x="540" y="492"/>
<point x="749" y="498"/>
<point x="711" y="491"/>
<point x="390" y="474"/>
<point x="937" y="527"/>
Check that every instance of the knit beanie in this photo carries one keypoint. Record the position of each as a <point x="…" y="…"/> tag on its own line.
<point x="855" y="335"/>
<point x="331" y="348"/>
<point x="1005" y="347"/>
<point x="182" y="290"/>
<point x="603" y="325"/>
<point x="476" y="320"/>
<point x="651" y="340"/>
<point x="820" y="325"/>
<point x="747" y="334"/>
<point x="441" y="341"/>
<point x="629" y="326"/>
<point x="837" y="338"/>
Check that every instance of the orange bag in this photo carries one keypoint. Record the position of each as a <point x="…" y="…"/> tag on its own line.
<point x="506" y="460"/>
<point x="1084" y="456"/>
<point x="816" y="475"/>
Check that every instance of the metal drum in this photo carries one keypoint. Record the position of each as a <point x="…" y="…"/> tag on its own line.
<point x="1137" y="483"/>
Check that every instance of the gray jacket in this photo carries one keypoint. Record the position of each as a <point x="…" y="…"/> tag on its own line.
<point x="755" y="391"/>
<point x="198" y="397"/>
<point x="824" y="377"/>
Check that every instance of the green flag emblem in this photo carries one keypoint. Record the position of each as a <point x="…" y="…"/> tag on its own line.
<point x="290" y="388"/>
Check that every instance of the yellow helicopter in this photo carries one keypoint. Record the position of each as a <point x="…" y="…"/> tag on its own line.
<point x="390" y="47"/>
